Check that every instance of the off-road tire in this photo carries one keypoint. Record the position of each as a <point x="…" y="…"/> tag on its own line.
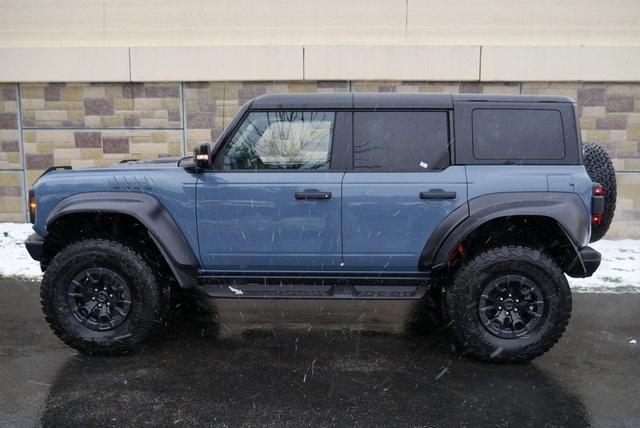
<point x="148" y="308"/>
<point x="471" y="278"/>
<point x="600" y="170"/>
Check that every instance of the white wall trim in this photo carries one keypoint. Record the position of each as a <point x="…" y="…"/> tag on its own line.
<point x="561" y="63"/>
<point x="321" y="62"/>
<point x="95" y="64"/>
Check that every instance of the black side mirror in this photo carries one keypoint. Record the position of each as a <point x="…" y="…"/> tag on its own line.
<point x="202" y="156"/>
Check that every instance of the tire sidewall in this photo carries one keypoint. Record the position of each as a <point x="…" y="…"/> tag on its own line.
<point x="468" y="287"/>
<point x="600" y="169"/>
<point x="80" y="256"/>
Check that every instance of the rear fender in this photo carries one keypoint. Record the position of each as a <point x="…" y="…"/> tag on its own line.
<point x="567" y="209"/>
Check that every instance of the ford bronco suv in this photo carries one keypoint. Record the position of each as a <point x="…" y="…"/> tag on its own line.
<point x="481" y="202"/>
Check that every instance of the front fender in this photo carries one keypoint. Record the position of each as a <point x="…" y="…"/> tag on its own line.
<point x="149" y="212"/>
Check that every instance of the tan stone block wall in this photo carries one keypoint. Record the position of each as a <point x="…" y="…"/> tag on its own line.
<point x="82" y="149"/>
<point x="101" y="105"/>
<point x="94" y="124"/>
<point x="9" y="146"/>
<point x="11" y="196"/>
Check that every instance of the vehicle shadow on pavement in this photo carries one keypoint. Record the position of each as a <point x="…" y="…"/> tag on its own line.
<point x="205" y="371"/>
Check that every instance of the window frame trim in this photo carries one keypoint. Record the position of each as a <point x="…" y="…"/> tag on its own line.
<point x="450" y="140"/>
<point x="524" y="108"/>
<point x="217" y="166"/>
<point x="463" y="144"/>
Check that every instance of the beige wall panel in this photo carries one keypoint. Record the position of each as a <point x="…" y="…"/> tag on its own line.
<point x="229" y="63"/>
<point x="205" y="22"/>
<point x="524" y="22"/>
<point x="51" y="22"/>
<point x="197" y="22"/>
<point x="561" y="63"/>
<point x="444" y="63"/>
<point x="64" y="64"/>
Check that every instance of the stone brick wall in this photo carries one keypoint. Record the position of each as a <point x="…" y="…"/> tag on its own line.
<point x="93" y="124"/>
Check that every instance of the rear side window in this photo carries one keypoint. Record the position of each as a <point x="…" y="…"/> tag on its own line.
<point x="401" y="141"/>
<point x="517" y="135"/>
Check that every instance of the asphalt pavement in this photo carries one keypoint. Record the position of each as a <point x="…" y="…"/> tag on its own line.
<point x="317" y="363"/>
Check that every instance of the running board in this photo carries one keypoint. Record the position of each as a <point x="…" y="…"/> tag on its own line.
<point x="290" y="291"/>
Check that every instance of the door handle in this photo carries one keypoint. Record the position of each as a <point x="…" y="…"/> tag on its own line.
<point x="437" y="194"/>
<point x="312" y="194"/>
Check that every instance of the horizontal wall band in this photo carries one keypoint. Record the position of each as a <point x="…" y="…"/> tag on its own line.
<point x="321" y="62"/>
<point x="391" y="62"/>
<point x="95" y="64"/>
<point x="561" y="63"/>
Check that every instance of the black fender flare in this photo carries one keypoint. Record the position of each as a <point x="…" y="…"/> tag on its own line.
<point x="148" y="210"/>
<point x="567" y="209"/>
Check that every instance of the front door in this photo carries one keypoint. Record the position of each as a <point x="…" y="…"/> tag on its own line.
<point x="272" y="201"/>
<point x="400" y="187"/>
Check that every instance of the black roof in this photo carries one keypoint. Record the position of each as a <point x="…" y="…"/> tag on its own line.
<point x="340" y="100"/>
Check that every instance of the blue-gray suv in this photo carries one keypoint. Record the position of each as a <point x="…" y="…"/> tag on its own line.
<point x="480" y="203"/>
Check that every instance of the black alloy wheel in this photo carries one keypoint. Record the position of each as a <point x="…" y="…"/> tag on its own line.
<point x="100" y="298"/>
<point x="511" y="306"/>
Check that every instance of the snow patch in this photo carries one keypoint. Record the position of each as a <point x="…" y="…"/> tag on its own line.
<point x="618" y="272"/>
<point x="14" y="259"/>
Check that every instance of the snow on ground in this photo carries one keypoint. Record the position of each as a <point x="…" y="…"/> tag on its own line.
<point x="619" y="271"/>
<point x="14" y="258"/>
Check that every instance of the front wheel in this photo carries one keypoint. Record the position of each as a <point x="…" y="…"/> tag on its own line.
<point x="101" y="297"/>
<point x="508" y="304"/>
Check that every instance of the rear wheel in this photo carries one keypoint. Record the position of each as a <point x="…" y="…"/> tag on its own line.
<point x="600" y="169"/>
<point x="101" y="297"/>
<point x="508" y="304"/>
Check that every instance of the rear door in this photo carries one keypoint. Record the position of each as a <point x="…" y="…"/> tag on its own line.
<point x="399" y="188"/>
<point x="272" y="202"/>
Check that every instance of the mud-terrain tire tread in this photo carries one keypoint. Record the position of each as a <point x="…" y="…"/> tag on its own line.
<point x="600" y="169"/>
<point x="466" y="277"/>
<point x="136" y="267"/>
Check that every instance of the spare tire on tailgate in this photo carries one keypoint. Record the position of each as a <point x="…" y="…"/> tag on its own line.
<point x="600" y="169"/>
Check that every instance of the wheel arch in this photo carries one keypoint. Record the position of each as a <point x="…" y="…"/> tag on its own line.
<point x="161" y="228"/>
<point x="557" y="222"/>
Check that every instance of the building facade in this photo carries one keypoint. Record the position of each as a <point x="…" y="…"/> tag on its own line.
<point x="89" y="83"/>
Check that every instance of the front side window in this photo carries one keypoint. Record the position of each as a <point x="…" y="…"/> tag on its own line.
<point x="401" y="141"/>
<point x="281" y="140"/>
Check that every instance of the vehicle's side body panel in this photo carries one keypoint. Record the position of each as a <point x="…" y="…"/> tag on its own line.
<point x="252" y="221"/>
<point x="487" y="179"/>
<point x="386" y="223"/>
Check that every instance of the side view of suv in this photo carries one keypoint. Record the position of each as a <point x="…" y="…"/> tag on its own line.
<point x="480" y="202"/>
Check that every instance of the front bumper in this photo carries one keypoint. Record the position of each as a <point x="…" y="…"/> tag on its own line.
<point x="34" y="244"/>
<point x="585" y="264"/>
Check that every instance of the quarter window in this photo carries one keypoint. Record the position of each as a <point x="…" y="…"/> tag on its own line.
<point x="401" y="141"/>
<point x="282" y="140"/>
<point x="517" y="135"/>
